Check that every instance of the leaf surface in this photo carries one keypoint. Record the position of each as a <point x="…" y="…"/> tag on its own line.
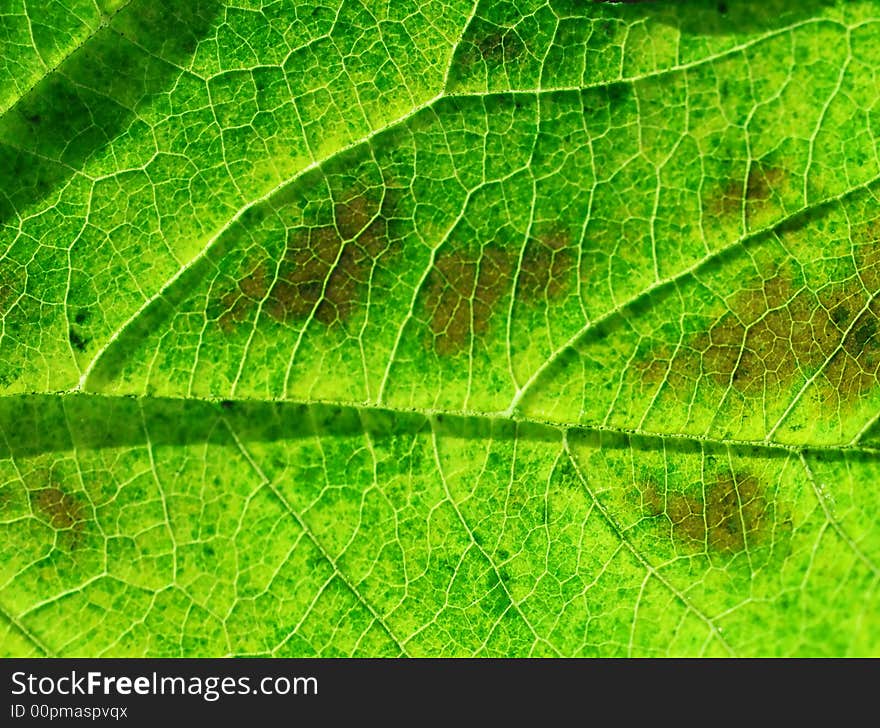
<point x="523" y="328"/>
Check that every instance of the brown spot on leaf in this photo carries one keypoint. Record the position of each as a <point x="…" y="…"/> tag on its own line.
<point x="726" y="201"/>
<point x="11" y="276"/>
<point x="855" y="368"/>
<point x="491" y="44"/>
<point x="728" y="515"/>
<point x="770" y="336"/>
<point x="760" y="182"/>
<point x="866" y="251"/>
<point x="323" y="271"/>
<point x="763" y="182"/>
<point x="314" y="276"/>
<point x="462" y="293"/>
<point x="237" y="303"/>
<point x="64" y="512"/>
<point x="546" y="268"/>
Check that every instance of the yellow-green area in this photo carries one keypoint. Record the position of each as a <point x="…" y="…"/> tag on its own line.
<point x="516" y="327"/>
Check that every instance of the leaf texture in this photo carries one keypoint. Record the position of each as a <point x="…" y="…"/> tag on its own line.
<point x="432" y="328"/>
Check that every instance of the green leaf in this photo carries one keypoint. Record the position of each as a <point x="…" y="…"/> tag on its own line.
<point x="420" y="328"/>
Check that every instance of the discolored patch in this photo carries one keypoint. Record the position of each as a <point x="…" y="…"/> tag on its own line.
<point x="775" y="334"/>
<point x="64" y="512"/>
<point x="491" y="44"/>
<point x="726" y="200"/>
<point x="755" y="194"/>
<point x="315" y="275"/>
<point x="324" y="269"/>
<point x="11" y="277"/>
<point x="77" y="340"/>
<point x="866" y="253"/>
<point x="5" y="297"/>
<point x="729" y="514"/>
<point x="763" y="179"/>
<point x="462" y="293"/>
<point x="855" y="369"/>
<point x="546" y="268"/>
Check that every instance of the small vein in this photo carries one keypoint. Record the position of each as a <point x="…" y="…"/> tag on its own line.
<point x="19" y="627"/>
<point x="305" y="529"/>
<point x="641" y="559"/>
<point x="835" y="524"/>
<point x="114" y="337"/>
<point x="98" y="28"/>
